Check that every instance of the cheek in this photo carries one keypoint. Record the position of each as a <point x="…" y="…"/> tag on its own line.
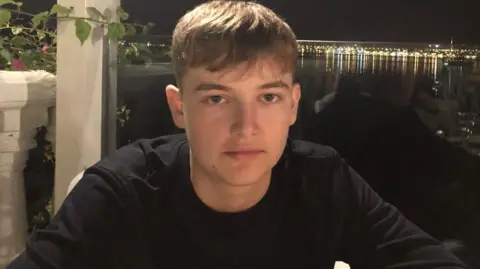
<point x="276" y="116"/>
<point x="206" y="121"/>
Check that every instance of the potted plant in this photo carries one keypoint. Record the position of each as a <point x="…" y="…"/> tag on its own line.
<point x="27" y="91"/>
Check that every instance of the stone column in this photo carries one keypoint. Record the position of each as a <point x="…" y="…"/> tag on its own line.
<point x="24" y="99"/>
<point x="80" y="80"/>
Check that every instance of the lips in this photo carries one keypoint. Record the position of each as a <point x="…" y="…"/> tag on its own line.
<point x="244" y="153"/>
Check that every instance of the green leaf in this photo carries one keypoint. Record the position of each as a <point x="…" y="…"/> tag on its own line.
<point x="2" y="41"/>
<point x="4" y="2"/>
<point x="107" y="14"/>
<point x="27" y="59"/>
<point x="132" y="50"/>
<point x="116" y="31"/>
<point x="45" y="23"/>
<point x="40" y="17"/>
<point x="19" y="41"/>
<point x="82" y="30"/>
<point x="131" y="31"/>
<point x="95" y="13"/>
<point x="38" y="55"/>
<point x="6" y="55"/>
<point x="122" y="14"/>
<point x="41" y="34"/>
<point x="5" y="16"/>
<point x="16" y="30"/>
<point x="60" y="10"/>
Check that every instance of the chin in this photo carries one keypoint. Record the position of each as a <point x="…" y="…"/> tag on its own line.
<point x="239" y="182"/>
<point x="243" y="178"/>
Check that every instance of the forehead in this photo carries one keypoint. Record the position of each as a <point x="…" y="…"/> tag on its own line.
<point x="259" y="71"/>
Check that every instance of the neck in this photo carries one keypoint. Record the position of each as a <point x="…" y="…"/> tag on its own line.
<point x="224" y="197"/>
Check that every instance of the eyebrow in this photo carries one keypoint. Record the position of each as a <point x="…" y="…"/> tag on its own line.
<point x="215" y="86"/>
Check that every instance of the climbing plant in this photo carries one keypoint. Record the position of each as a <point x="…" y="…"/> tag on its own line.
<point x="29" y="40"/>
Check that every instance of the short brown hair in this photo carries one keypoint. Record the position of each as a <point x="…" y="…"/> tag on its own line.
<point x="222" y="33"/>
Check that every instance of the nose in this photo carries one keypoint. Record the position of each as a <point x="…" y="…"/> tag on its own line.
<point x="245" y="117"/>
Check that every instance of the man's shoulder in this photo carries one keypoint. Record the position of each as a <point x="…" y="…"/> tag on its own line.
<point x="321" y="173"/>
<point x="322" y="168"/>
<point x="144" y="157"/>
<point x="312" y="151"/>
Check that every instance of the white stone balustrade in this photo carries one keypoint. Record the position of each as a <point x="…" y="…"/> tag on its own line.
<point x="24" y="100"/>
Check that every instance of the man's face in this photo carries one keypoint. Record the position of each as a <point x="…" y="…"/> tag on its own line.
<point x="236" y="120"/>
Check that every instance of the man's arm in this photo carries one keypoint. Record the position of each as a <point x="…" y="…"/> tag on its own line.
<point x="80" y="234"/>
<point x="377" y="235"/>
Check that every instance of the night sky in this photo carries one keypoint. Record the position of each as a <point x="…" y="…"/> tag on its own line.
<point x="354" y="20"/>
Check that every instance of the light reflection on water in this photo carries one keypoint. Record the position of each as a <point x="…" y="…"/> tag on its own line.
<point x="452" y="77"/>
<point x="363" y="64"/>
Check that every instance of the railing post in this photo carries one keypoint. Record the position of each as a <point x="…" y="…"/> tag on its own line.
<point x="80" y="96"/>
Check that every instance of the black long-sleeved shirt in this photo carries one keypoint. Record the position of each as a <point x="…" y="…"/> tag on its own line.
<point x="137" y="209"/>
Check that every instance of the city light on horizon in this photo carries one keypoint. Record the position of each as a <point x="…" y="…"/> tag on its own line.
<point x="316" y="47"/>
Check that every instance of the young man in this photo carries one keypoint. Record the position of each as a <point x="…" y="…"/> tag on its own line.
<point x="234" y="192"/>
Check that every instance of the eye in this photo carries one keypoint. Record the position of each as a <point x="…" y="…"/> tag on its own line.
<point x="270" y="97"/>
<point x="215" y="99"/>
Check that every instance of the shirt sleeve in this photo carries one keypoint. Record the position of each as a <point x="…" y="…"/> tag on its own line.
<point x="377" y="235"/>
<point x="79" y="234"/>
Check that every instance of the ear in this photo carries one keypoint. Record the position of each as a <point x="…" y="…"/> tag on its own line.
<point x="296" y="94"/>
<point x="175" y="104"/>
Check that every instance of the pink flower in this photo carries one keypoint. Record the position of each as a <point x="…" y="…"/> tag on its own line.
<point x="44" y="49"/>
<point x="18" y="65"/>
